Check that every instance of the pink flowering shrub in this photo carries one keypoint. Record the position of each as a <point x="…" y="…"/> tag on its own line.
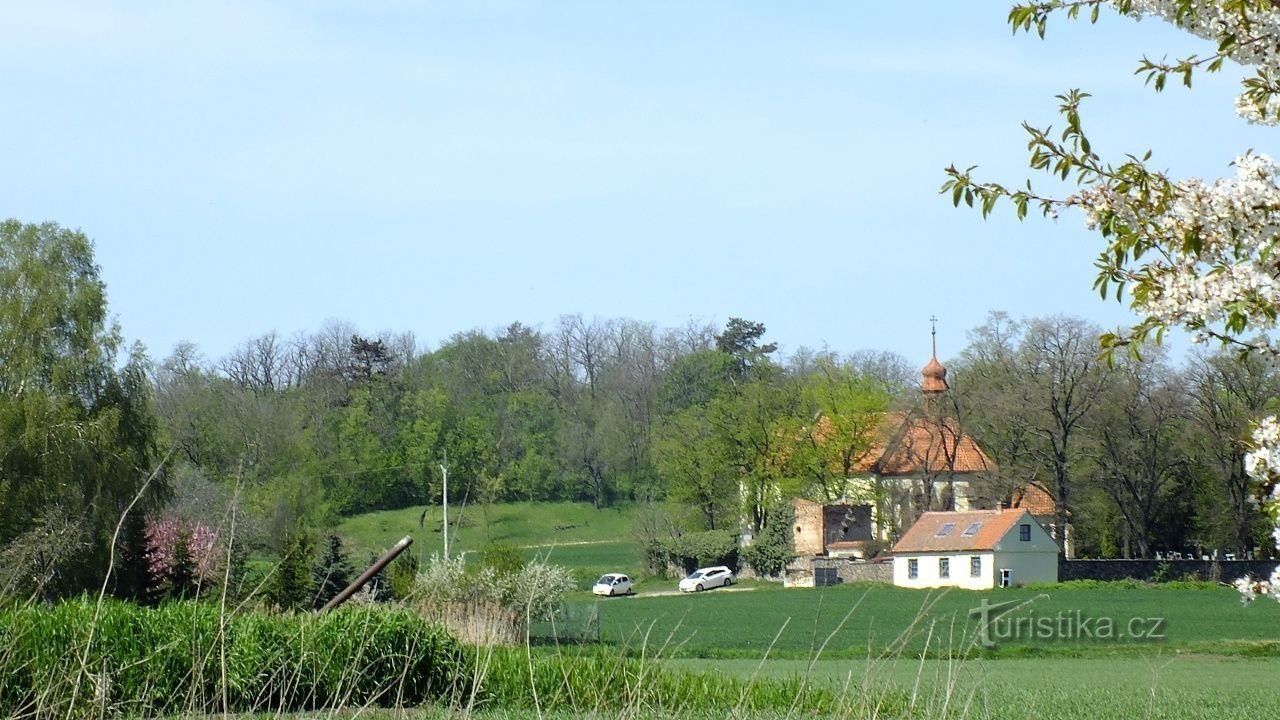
<point x="207" y="551"/>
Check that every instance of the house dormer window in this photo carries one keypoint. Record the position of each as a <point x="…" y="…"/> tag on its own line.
<point x="1024" y="532"/>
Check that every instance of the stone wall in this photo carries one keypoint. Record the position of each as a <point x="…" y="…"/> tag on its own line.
<point x="801" y="571"/>
<point x="1148" y="570"/>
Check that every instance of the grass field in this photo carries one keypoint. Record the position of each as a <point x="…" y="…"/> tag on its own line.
<point x="474" y="526"/>
<point x="857" y="620"/>
<point x="1165" y="684"/>
<point x="1214" y="658"/>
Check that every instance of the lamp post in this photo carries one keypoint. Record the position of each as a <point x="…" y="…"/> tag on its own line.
<point x="444" y="470"/>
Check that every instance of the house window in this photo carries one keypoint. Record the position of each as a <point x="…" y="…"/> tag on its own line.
<point x="913" y="568"/>
<point x="972" y="529"/>
<point x="975" y="566"/>
<point x="945" y="530"/>
<point x="1024" y="533"/>
<point x="944" y="567"/>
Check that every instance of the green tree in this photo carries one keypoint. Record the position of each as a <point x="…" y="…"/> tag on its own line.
<point x="692" y="458"/>
<point x="76" y="432"/>
<point x="774" y="547"/>
<point x="836" y="426"/>
<point x="332" y="574"/>
<point x="292" y="586"/>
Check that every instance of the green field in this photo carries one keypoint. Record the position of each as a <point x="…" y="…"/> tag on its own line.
<point x="1215" y="656"/>
<point x="857" y="620"/>
<point x="472" y="527"/>
<point x="1163" y="684"/>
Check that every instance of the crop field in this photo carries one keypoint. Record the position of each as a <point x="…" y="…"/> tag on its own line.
<point x="1166" y="684"/>
<point x="855" y="621"/>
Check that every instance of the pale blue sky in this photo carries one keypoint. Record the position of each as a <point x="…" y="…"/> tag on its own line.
<point x="436" y="167"/>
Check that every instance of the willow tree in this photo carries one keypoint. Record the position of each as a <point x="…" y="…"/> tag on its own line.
<point x="77" y="438"/>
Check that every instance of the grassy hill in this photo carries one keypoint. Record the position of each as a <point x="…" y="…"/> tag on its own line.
<point x="576" y="535"/>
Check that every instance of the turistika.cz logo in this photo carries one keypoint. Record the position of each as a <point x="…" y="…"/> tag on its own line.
<point x="1008" y="621"/>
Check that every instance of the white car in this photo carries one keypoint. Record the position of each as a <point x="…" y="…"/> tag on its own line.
<point x="612" y="584"/>
<point x="707" y="578"/>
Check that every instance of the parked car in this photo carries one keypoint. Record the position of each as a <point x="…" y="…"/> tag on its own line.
<point x="613" y="584"/>
<point x="707" y="578"/>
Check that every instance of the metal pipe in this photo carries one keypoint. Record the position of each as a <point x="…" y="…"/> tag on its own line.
<point x="367" y="575"/>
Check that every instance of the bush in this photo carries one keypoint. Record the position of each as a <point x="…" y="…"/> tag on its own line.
<point x="473" y="603"/>
<point x="700" y="549"/>
<point x="168" y="660"/>
<point x="774" y="547"/>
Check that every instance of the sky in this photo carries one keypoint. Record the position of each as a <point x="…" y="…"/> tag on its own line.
<point x="433" y="167"/>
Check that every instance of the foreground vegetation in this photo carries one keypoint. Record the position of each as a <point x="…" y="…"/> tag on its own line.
<point x="851" y="651"/>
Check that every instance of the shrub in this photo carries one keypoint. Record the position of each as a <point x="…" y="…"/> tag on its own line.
<point x="502" y="558"/>
<point x="169" y="660"/>
<point x="466" y="600"/>
<point x="699" y="549"/>
<point x="774" y="547"/>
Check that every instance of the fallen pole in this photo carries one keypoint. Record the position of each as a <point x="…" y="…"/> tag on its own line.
<point x="367" y="575"/>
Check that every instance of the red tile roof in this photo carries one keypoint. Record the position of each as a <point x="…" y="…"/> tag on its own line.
<point x="1035" y="499"/>
<point x="913" y="444"/>
<point x="992" y="525"/>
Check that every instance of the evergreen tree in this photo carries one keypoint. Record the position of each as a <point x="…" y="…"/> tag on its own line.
<point x="290" y="587"/>
<point x="133" y="578"/>
<point x="332" y="574"/>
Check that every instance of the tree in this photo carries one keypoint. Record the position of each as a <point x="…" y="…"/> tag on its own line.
<point x="1228" y="393"/>
<point x="292" y="586"/>
<point x="741" y="340"/>
<point x="835" y="427"/>
<point x="1030" y="390"/>
<point x="693" y="460"/>
<point x="1140" y="439"/>
<point x="76" y="432"/>
<point x="1191" y="254"/>
<point x="332" y="574"/>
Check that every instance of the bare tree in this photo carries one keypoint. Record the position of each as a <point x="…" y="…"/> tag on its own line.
<point x="1139" y="440"/>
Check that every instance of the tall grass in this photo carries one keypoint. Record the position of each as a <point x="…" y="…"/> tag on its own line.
<point x="82" y="659"/>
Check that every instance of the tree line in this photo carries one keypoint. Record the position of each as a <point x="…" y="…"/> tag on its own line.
<point x="288" y="434"/>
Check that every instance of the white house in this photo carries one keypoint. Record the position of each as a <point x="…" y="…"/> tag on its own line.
<point x="975" y="549"/>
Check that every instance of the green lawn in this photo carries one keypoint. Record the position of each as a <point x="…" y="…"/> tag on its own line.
<point x="474" y="526"/>
<point x="856" y="620"/>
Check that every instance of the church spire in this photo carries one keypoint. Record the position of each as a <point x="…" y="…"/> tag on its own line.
<point x="934" y="374"/>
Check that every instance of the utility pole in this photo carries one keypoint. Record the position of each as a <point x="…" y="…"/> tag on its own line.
<point x="444" y="470"/>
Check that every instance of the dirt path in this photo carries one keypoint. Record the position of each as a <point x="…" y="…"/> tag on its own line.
<point x="567" y="544"/>
<point x="664" y="593"/>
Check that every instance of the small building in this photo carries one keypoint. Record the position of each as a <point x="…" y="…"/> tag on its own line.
<point x="975" y="549"/>
<point x="838" y="530"/>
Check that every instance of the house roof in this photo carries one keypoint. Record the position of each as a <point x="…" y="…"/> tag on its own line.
<point x="915" y="444"/>
<point x="928" y="535"/>
<point x="1035" y="499"/>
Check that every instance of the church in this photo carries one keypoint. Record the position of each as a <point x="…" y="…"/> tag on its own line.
<point x="922" y="461"/>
